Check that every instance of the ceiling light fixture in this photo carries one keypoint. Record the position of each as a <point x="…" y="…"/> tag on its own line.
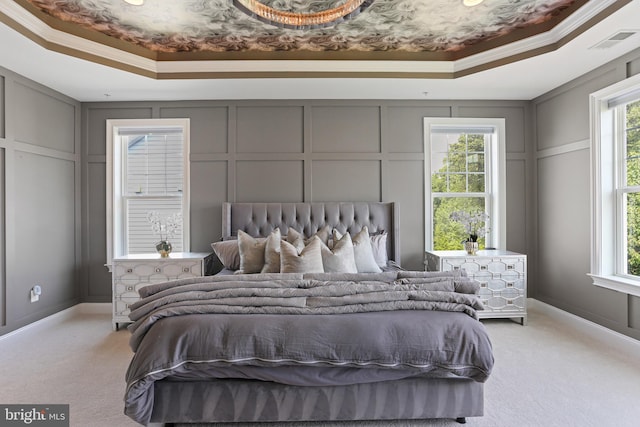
<point x="135" y="2"/>
<point x="471" y="2"/>
<point x="299" y="20"/>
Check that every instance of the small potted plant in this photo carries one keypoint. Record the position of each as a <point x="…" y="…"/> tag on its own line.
<point x="166" y="227"/>
<point x="475" y="225"/>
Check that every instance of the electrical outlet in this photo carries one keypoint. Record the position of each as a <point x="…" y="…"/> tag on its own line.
<point x="36" y="291"/>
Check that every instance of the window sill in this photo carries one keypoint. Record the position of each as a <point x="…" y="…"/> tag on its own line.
<point x="616" y="283"/>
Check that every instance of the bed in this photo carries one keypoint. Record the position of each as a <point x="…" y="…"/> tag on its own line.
<point x="298" y="345"/>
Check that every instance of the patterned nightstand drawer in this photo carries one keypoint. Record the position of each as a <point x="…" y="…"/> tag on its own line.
<point x="502" y="276"/>
<point x="136" y="271"/>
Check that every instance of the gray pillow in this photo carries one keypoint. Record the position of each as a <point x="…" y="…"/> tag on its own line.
<point x="228" y="253"/>
<point x="309" y="260"/>
<point x="341" y="258"/>
<point x="251" y="253"/>
<point x="272" y="253"/>
<point x="323" y="234"/>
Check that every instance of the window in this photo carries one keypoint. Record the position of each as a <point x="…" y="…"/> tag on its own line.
<point x="615" y="162"/>
<point x="464" y="171"/>
<point x="147" y="173"/>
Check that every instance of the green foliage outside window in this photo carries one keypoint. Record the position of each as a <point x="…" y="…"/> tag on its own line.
<point x="462" y="172"/>
<point x="632" y="125"/>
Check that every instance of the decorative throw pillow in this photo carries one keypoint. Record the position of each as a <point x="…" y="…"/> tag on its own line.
<point x="362" y="251"/>
<point x="228" y="253"/>
<point x="309" y="260"/>
<point x="341" y="258"/>
<point x="379" y="248"/>
<point x="272" y="253"/>
<point x="251" y="253"/>
<point x="323" y="234"/>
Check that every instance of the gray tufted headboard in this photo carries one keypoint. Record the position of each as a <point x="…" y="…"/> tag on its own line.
<point x="260" y="219"/>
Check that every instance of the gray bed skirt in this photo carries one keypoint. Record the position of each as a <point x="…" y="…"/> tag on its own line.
<point x="257" y="401"/>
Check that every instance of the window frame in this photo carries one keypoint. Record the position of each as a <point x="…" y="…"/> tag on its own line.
<point x="608" y="232"/>
<point x="495" y="169"/>
<point x="116" y="169"/>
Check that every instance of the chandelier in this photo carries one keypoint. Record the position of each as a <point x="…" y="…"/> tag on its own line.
<point x="299" y="20"/>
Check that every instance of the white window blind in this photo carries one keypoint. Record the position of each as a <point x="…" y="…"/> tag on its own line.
<point x="153" y="182"/>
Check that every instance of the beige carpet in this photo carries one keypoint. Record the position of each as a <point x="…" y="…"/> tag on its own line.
<point x="556" y="371"/>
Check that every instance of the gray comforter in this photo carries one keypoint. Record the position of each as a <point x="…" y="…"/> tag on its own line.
<point x="306" y="330"/>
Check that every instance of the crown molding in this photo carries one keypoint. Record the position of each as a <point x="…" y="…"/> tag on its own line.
<point x="31" y="26"/>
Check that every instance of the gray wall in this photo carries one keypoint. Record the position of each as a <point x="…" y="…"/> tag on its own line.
<point x="39" y="201"/>
<point x="294" y="151"/>
<point x="562" y="181"/>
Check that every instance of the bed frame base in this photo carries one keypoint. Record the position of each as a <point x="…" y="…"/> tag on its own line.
<point x="258" y="401"/>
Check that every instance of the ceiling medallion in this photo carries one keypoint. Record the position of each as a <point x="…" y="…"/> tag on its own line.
<point x="297" y="20"/>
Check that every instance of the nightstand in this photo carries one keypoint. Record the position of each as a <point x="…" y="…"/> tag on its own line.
<point x="502" y="276"/>
<point x="132" y="272"/>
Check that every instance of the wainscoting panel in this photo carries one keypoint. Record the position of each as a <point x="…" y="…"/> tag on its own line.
<point x="563" y="116"/>
<point x="3" y="219"/>
<point x="270" y="129"/>
<point x="208" y="192"/>
<point x="345" y="129"/>
<point x="404" y="127"/>
<point x="98" y="286"/>
<point x="404" y="181"/>
<point x="517" y="212"/>
<point x="269" y="181"/>
<point x="564" y="240"/>
<point x="209" y="127"/>
<point x="345" y="181"/>
<point x="3" y="119"/>
<point x="55" y="117"/>
<point x="45" y="252"/>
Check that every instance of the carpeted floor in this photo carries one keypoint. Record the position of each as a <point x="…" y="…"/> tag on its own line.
<point x="556" y="371"/>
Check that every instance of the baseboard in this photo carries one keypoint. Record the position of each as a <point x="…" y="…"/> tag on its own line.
<point x="609" y="336"/>
<point x="82" y="308"/>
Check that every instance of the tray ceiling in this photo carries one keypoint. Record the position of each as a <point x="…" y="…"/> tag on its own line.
<point x="386" y="29"/>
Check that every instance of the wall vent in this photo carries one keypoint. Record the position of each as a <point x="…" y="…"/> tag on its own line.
<point x="615" y="39"/>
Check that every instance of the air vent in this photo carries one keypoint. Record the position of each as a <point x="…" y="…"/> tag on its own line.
<point x="615" y="39"/>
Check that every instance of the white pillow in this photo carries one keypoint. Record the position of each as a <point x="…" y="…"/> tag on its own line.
<point x="379" y="248"/>
<point x="272" y="253"/>
<point x="341" y="259"/>
<point x="251" y="253"/>
<point x="309" y="260"/>
<point x="362" y="251"/>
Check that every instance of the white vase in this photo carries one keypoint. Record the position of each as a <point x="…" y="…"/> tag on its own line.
<point x="471" y="247"/>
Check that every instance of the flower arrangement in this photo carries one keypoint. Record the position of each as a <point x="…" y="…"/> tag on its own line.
<point x="475" y="223"/>
<point x="164" y="226"/>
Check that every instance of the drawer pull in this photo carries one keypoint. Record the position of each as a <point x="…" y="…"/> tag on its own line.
<point x="130" y="288"/>
<point x="483" y="267"/>
<point x="483" y="285"/>
<point x="509" y="301"/>
<point x="129" y="270"/>
<point x="455" y="267"/>
<point x="510" y="267"/>
<point x="186" y="269"/>
<point x="158" y="270"/>
<point x="509" y="285"/>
